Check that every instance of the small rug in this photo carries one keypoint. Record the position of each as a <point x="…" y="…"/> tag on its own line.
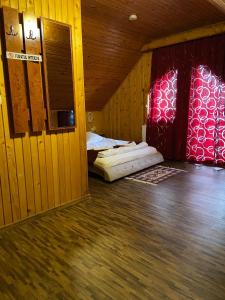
<point x="154" y="175"/>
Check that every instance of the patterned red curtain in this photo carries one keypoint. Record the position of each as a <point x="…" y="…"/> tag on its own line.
<point x="186" y="112"/>
<point x="206" y="120"/>
<point x="163" y="108"/>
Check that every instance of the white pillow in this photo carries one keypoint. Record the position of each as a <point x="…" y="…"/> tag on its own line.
<point x="93" y="137"/>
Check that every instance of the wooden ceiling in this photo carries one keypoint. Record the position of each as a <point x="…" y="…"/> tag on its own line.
<point x="112" y="43"/>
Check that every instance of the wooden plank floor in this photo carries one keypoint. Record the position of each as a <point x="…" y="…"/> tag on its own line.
<point x="127" y="241"/>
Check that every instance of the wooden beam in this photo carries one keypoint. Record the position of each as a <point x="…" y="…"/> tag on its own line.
<point x="220" y="4"/>
<point x="185" y="36"/>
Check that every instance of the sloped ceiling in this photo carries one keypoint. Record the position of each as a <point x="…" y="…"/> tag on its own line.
<point x="112" y="43"/>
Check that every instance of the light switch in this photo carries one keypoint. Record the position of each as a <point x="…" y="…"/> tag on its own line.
<point x="90" y="117"/>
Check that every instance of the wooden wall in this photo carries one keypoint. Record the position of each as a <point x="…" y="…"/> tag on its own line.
<point x="97" y="122"/>
<point x="40" y="172"/>
<point x="124" y="113"/>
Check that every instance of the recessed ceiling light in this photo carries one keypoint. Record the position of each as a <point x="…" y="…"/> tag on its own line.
<point x="133" y="17"/>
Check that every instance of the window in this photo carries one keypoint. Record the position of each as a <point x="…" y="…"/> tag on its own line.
<point x="163" y="98"/>
<point x="206" y="119"/>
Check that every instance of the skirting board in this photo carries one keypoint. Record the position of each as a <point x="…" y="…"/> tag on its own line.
<point x="42" y="214"/>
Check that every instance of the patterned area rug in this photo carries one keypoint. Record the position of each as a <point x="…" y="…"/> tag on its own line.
<point x="154" y="175"/>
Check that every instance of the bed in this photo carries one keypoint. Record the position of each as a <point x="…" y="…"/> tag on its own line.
<point x="114" y="159"/>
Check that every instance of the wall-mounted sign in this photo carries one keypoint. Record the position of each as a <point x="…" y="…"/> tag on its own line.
<point x="22" y="56"/>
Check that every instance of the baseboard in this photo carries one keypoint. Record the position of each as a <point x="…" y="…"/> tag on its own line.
<point x="43" y="213"/>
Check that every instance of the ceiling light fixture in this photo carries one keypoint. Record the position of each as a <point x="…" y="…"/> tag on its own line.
<point x="133" y="17"/>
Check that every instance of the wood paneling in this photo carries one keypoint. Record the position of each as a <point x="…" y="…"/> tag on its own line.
<point x="56" y="40"/>
<point x="58" y="73"/>
<point x="189" y="35"/>
<point x="34" y="74"/>
<point x="124" y="113"/>
<point x="15" y="71"/>
<point x="112" y="43"/>
<point x="220" y="4"/>
<point x="97" y="123"/>
<point x="39" y="172"/>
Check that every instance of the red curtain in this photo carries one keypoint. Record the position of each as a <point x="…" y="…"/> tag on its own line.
<point x="206" y="121"/>
<point x="187" y="88"/>
<point x="163" y="108"/>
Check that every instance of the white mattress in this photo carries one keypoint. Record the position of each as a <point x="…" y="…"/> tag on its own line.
<point x="113" y="160"/>
<point x="116" y="163"/>
<point x="114" y="172"/>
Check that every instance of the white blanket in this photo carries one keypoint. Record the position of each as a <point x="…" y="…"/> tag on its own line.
<point x="113" y="160"/>
<point x="97" y="142"/>
<point x="125" y="149"/>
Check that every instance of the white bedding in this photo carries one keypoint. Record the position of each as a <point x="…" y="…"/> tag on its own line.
<point x="126" y="148"/>
<point x="97" y="142"/>
<point x="115" y="163"/>
<point x="117" y="159"/>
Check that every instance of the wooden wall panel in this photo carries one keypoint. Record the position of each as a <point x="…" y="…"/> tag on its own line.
<point x="124" y="113"/>
<point x="185" y="36"/>
<point x="97" y="122"/>
<point x="40" y="172"/>
<point x="5" y="189"/>
<point x="15" y="71"/>
<point x="34" y="74"/>
<point x="79" y="90"/>
<point x="68" y="193"/>
<point x="1" y="207"/>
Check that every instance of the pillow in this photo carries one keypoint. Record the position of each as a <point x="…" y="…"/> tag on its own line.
<point x="93" y="137"/>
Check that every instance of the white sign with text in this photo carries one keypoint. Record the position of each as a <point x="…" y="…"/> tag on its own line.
<point x="22" y="56"/>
